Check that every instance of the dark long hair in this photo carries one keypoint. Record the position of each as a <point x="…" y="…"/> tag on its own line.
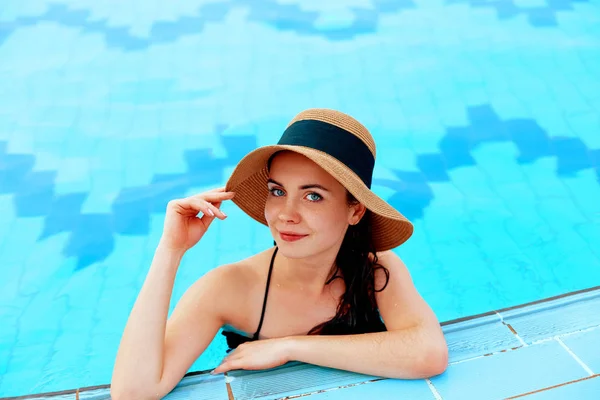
<point x="357" y="310"/>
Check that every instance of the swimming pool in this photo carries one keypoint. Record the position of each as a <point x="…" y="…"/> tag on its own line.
<point x="486" y="117"/>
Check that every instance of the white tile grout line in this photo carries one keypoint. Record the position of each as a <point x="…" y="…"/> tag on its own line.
<point x="579" y="331"/>
<point x="513" y="332"/>
<point x="587" y="369"/>
<point x="295" y="396"/>
<point x="465" y="360"/>
<point x="436" y="394"/>
<point x="564" y="335"/>
<point x="539" y="341"/>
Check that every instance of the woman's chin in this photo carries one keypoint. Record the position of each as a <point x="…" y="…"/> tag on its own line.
<point x="303" y="248"/>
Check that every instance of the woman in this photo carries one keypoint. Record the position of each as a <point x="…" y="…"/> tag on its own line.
<point x="318" y="296"/>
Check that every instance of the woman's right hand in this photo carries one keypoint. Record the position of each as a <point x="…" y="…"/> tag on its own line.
<point x="183" y="228"/>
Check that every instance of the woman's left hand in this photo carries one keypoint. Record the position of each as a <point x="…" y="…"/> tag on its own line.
<point x="260" y="354"/>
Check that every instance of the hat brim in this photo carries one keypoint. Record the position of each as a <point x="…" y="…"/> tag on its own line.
<point x="249" y="182"/>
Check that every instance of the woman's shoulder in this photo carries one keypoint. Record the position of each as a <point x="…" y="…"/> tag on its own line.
<point x="246" y="272"/>
<point x="238" y="286"/>
<point x="392" y="265"/>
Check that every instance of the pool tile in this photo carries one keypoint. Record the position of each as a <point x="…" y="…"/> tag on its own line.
<point x="20" y="382"/>
<point x="290" y="380"/>
<point x="118" y="120"/>
<point x="587" y="389"/>
<point x="65" y="373"/>
<point x="123" y="266"/>
<point x="473" y="338"/>
<point x="570" y="213"/>
<point x="106" y="186"/>
<point x="497" y="161"/>
<point x="392" y="389"/>
<point x="140" y="163"/>
<point x="29" y="357"/>
<point x="508" y="374"/>
<point x="590" y="233"/>
<point x="327" y="94"/>
<point x="10" y="321"/>
<point x="555" y="317"/>
<point x="5" y="356"/>
<point x="586" y="346"/>
<point x="584" y="189"/>
<point x="108" y="155"/>
<point x="540" y="175"/>
<point x="42" y="316"/>
<point x="71" y="345"/>
<point x="200" y="386"/>
<point x="571" y="101"/>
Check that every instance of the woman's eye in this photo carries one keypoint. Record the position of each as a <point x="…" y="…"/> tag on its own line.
<point x="276" y="192"/>
<point x="314" y="197"/>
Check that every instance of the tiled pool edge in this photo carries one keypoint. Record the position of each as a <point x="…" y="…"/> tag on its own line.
<point x="529" y="394"/>
<point x="463" y="335"/>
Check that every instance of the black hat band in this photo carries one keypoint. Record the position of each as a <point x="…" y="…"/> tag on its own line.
<point x="335" y="141"/>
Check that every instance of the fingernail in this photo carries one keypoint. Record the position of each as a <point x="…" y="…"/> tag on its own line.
<point x="211" y="213"/>
<point x="212" y="372"/>
<point x="225" y="215"/>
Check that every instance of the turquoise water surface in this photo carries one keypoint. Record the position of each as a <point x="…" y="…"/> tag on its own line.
<point x="486" y="116"/>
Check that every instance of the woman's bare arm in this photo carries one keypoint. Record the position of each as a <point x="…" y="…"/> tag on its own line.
<point x="413" y="347"/>
<point x="154" y="354"/>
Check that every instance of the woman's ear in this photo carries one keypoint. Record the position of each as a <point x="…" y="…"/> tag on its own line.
<point x="358" y="210"/>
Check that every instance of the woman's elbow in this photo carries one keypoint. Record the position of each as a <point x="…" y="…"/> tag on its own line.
<point x="434" y="361"/>
<point x="120" y="392"/>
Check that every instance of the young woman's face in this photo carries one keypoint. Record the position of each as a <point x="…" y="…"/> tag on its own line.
<point x="307" y="209"/>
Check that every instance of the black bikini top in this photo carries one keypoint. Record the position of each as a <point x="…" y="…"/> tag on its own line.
<point x="234" y="339"/>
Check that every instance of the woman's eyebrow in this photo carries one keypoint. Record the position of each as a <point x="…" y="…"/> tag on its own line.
<point x="303" y="187"/>
<point x="313" y="186"/>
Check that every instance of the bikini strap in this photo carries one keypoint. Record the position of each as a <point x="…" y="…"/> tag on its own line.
<point x="264" y="307"/>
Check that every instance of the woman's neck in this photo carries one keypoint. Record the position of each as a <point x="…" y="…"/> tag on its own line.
<point x="307" y="274"/>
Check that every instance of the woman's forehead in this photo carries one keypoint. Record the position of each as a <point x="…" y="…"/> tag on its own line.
<point x="293" y="166"/>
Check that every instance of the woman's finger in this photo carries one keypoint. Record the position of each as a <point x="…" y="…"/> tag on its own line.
<point x="215" y="196"/>
<point x="224" y="367"/>
<point x="192" y="206"/>
<point x="215" y="211"/>
<point x="228" y="366"/>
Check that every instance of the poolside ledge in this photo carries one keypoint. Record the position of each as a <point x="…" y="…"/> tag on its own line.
<point x="549" y="349"/>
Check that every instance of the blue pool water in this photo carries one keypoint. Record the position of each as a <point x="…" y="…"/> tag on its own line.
<point x="486" y="116"/>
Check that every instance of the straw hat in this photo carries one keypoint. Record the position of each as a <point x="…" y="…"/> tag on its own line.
<point x="340" y="145"/>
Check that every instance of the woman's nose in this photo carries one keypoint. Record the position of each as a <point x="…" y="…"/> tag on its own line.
<point x="288" y="211"/>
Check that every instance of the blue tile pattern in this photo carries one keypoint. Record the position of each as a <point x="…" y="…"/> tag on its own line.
<point x="585" y="389"/>
<point x="34" y="197"/>
<point x="525" y="372"/>
<point x="485" y="116"/>
<point x="283" y="17"/>
<point x="34" y="191"/>
<point x="506" y="370"/>
<point x="492" y="336"/>
<point x="585" y="345"/>
<point x="538" y="15"/>
<point x="289" y="380"/>
<point x="385" y="390"/>
<point x="555" y="320"/>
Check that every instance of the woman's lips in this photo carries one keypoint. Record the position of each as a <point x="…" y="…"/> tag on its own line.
<point x="291" y="237"/>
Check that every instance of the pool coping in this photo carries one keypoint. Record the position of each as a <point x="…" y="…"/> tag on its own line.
<point x="451" y="326"/>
